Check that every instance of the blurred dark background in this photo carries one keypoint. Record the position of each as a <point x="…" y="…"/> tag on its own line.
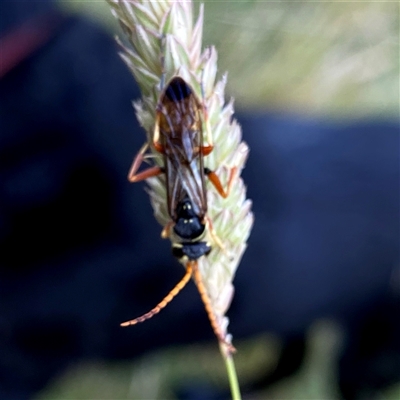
<point x="80" y="251"/>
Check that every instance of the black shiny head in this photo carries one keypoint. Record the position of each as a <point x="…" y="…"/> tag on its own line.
<point x="187" y="225"/>
<point x="193" y="251"/>
<point x="184" y="209"/>
<point x="177" y="90"/>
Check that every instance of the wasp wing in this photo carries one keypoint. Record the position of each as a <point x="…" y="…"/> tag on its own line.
<point x="181" y="133"/>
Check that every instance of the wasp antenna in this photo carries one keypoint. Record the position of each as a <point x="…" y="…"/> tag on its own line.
<point x="163" y="46"/>
<point x="207" y="304"/>
<point x="164" y="302"/>
<point x="203" y="94"/>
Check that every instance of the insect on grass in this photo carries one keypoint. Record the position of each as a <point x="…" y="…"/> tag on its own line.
<point x="180" y="126"/>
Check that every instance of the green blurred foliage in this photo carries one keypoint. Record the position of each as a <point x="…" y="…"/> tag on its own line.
<point x="335" y="58"/>
<point x="155" y="375"/>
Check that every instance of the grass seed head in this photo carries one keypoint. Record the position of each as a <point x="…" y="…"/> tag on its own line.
<point x="157" y="30"/>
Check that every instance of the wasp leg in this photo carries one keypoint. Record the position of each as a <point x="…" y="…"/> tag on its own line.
<point x="166" y="232"/>
<point x="163" y="46"/>
<point x="214" y="235"/>
<point x="153" y="171"/>
<point x="137" y="162"/>
<point x="207" y="304"/>
<point x="208" y="149"/>
<point x="156" y="134"/>
<point x="164" y="302"/>
<point x="148" y="173"/>
<point x="213" y="177"/>
<point x="204" y="150"/>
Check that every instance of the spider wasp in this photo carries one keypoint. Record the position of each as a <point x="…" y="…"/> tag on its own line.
<point x="178" y="137"/>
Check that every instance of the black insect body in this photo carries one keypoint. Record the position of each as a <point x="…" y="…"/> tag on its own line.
<point x="180" y="122"/>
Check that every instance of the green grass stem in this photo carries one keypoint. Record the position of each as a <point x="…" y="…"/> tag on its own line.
<point x="231" y="370"/>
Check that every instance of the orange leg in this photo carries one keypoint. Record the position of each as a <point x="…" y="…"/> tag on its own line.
<point x="133" y="176"/>
<point x="207" y="304"/>
<point x="148" y="173"/>
<point x="137" y="162"/>
<point x="156" y="133"/>
<point x="205" y="115"/>
<point x="164" y="302"/>
<point x="167" y="230"/>
<point x="214" y="235"/>
<point x="206" y="150"/>
<point x="213" y="177"/>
